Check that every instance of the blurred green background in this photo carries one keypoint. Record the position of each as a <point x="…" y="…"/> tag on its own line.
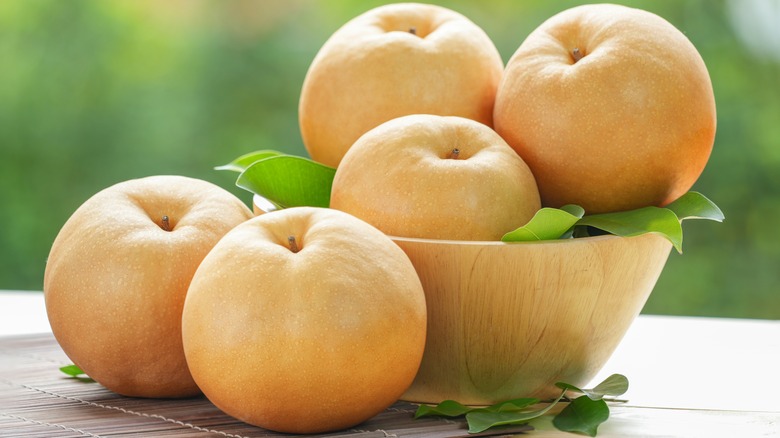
<point x="96" y="92"/>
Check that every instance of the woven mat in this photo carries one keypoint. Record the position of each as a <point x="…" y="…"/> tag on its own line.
<point x="37" y="400"/>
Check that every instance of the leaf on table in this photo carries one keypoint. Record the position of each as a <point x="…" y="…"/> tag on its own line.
<point x="694" y="205"/>
<point x="289" y="181"/>
<point x="513" y="405"/>
<point x="547" y="224"/>
<point x="583" y="414"/>
<point x="639" y="221"/>
<point x="77" y="373"/>
<point x="613" y="386"/>
<point x="241" y="163"/>
<point x="447" y="408"/>
<point x="451" y="408"/>
<point x="72" y="370"/>
<point x="569" y="387"/>
<point x="482" y="419"/>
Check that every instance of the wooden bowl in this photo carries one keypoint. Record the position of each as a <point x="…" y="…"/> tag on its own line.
<point x="510" y="320"/>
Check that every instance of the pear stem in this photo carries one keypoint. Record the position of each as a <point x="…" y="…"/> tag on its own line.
<point x="576" y="54"/>
<point x="455" y="154"/>
<point x="166" y="224"/>
<point x="293" y="244"/>
<point x="413" y="30"/>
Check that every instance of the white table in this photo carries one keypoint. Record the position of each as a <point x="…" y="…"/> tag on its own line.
<point x="689" y="377"/>
<point x="22" y="313"/>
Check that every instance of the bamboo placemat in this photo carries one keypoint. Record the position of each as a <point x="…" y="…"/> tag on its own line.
<point x="37" y="400"/>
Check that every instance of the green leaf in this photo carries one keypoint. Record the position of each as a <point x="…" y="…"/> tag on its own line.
<point x="72" y="370"/>
<point x="482" y="419"/>
<point x="77" y="373"/>
<point x="614" y="385"/>
<point x="511" y="405"/>
<point x="289" y="181"/>
<point x="547" y="224"/>
<point x="241" y="163"/>
<point x="694" y="205"/>
<point x="451" y="408"/>
<point x="569" y="387"/>
<point x="551" y="223"/>
<point x="639" y="221"/>
<point x="583" y="414"/>
<point x="447" y="408"/>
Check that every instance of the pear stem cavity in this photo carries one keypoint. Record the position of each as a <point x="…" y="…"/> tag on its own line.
<point x="293" y="244"/>
<point x="455" y="154"/>
<point x="576" y="54"/>
<point x="166" y="224"/>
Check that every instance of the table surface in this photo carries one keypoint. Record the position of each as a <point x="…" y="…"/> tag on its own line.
<point x="689" y="376"/>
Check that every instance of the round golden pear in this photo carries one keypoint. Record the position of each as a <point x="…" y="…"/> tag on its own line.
<point x="391" y="61"/>
<point x="117" y="275"/>
<point x="304" y="320"/>
<point x="611" y="107"/>
<point x="436" y="177"/>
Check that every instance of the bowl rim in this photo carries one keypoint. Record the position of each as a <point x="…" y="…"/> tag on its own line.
<point x="605" y="237"/>
<point x="267" y="207"/>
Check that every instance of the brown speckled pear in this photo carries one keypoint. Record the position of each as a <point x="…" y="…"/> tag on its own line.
<point x="118" y="273"/>
<point x="304" y="320"/>
<point x="394" y="60"/>
<point x="611" y="107"/>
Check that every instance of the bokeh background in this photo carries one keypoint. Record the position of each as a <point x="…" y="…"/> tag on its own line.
<point x="93" y="92"/>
